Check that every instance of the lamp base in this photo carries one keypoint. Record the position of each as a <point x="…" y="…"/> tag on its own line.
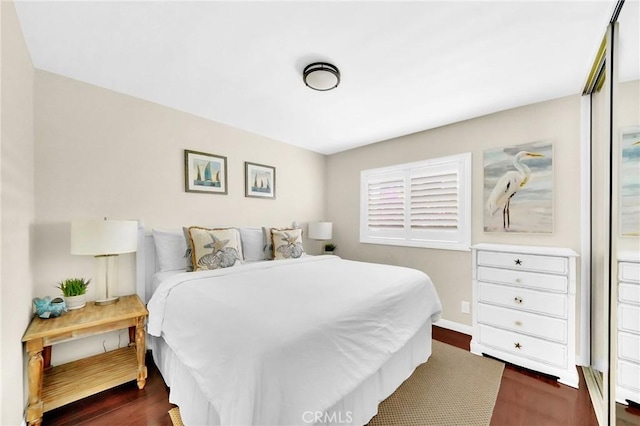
<point x="107" y="301"/>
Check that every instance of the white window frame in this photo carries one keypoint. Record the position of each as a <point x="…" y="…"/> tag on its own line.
<point x="458" y="238"/>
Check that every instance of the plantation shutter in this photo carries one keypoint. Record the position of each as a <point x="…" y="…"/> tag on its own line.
<point x="423" y="204"/>
<point x="386" y="203"/>
<point x="434" y="199"/>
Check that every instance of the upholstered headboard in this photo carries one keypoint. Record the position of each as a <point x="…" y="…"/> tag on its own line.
<point x="146" y="263"/>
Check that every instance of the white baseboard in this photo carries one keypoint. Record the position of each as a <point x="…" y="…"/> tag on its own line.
<point x="455" y="326"/>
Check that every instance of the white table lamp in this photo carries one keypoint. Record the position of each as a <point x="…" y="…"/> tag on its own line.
<point x="320" y="230"/>
<point x="104" y="239"/>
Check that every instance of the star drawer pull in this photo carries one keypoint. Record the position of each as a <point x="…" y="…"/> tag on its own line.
<point x="518" y="323"/>
<point x="517" y="345"/>
<point x="517" y="299"/>
<point x="518" y="262"/>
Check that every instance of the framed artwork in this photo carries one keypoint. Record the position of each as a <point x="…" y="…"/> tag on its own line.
<point x="630" y="182"/>
<point x="518" y="188"/>
<point x="205" y="173"/>
<point x="259" y="181"/>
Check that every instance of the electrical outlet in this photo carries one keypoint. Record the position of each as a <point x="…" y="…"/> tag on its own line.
<point x="464" y="307"/>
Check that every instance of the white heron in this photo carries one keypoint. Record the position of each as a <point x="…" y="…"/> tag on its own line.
<point x="508" y="185"/>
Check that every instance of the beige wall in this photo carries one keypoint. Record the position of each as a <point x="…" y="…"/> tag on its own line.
<point x="100" y="153"/>
<point x="16" y="212"/>
<point x="557" y="120"/>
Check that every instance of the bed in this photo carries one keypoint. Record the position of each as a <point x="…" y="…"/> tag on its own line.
<point x="312" y="340"/>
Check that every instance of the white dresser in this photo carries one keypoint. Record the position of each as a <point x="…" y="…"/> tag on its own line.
<point x="628" y="362"/>
<point x="524" y="307"/>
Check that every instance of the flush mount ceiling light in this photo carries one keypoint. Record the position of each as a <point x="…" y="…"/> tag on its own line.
<point x="321" y="76"/>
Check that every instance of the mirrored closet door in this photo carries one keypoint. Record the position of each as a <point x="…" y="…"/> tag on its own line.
<point x="598" y="100"/>
<point x="613" y="104"/>
<point x="625" y="219"/>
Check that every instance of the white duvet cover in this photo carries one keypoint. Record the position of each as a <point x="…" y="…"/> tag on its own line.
<point x="270" y="342"/>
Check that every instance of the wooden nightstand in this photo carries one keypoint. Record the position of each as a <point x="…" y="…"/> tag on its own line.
<point x="52" y="387"/>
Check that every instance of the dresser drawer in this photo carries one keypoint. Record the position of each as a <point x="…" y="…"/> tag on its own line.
<point x="523" y="299"/>
<point x="523" y="322"/>
<point x="629" y="374"/>
<point x="629" y="293"/>
<point x="526" y="262"/>
<point x="556" y="283"/>
<point x="629" y="318"/>
<point x="521" y="345"/>
<point x="629" y="272"/>
<point x="629" y="346"/>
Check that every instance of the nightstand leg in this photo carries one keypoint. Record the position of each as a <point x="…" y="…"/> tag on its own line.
<point x="36" y="366"/>
<point x="140" y="352"/>
<point x="46" y="355"/>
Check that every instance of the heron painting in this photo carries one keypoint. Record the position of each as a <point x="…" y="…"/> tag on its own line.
<point x="518" y="188"/>
<point x="630" y="182"/>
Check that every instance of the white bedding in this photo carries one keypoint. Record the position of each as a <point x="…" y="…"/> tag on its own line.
<point x="161" y="276"/>
<point x="271" y="341"/>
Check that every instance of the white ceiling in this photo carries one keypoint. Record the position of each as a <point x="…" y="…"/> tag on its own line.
<point x="405" y="66"/>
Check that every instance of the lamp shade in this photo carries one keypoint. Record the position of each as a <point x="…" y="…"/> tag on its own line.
<point x="103" y="237"/>
<point x="320" y="230"/>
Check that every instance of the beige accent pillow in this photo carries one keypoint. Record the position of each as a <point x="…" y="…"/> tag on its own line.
<point x="287" y="243"/>
<point x="214" y="248"/>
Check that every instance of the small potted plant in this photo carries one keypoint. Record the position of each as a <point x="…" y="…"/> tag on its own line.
<point x="74" y="290"/>
<point x="329" y="248"/>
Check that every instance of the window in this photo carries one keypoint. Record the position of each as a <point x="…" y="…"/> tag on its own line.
<point x="422" y="204"/>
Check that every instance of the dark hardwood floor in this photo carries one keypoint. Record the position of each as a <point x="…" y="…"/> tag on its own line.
<point x="525" y="398"/>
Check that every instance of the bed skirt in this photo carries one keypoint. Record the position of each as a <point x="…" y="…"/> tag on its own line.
<point x="356" y="408"/>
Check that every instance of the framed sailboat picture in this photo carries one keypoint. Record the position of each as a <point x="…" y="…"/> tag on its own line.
<point x="259" y="181"/>
<point x="206" y="173"/>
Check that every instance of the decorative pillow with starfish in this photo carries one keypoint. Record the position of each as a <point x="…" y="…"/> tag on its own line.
<point x="287" y="243"/>
<point x="215" y="248"/>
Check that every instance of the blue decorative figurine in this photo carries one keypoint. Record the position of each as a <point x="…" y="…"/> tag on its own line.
<point x="47" y="308"/>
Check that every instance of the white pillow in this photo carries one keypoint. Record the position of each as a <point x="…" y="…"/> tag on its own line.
<point x="252" y="244"/>
<point x="170" y="249"/>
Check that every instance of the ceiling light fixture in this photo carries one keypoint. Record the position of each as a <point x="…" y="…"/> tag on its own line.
<point x="321" y="76"/>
